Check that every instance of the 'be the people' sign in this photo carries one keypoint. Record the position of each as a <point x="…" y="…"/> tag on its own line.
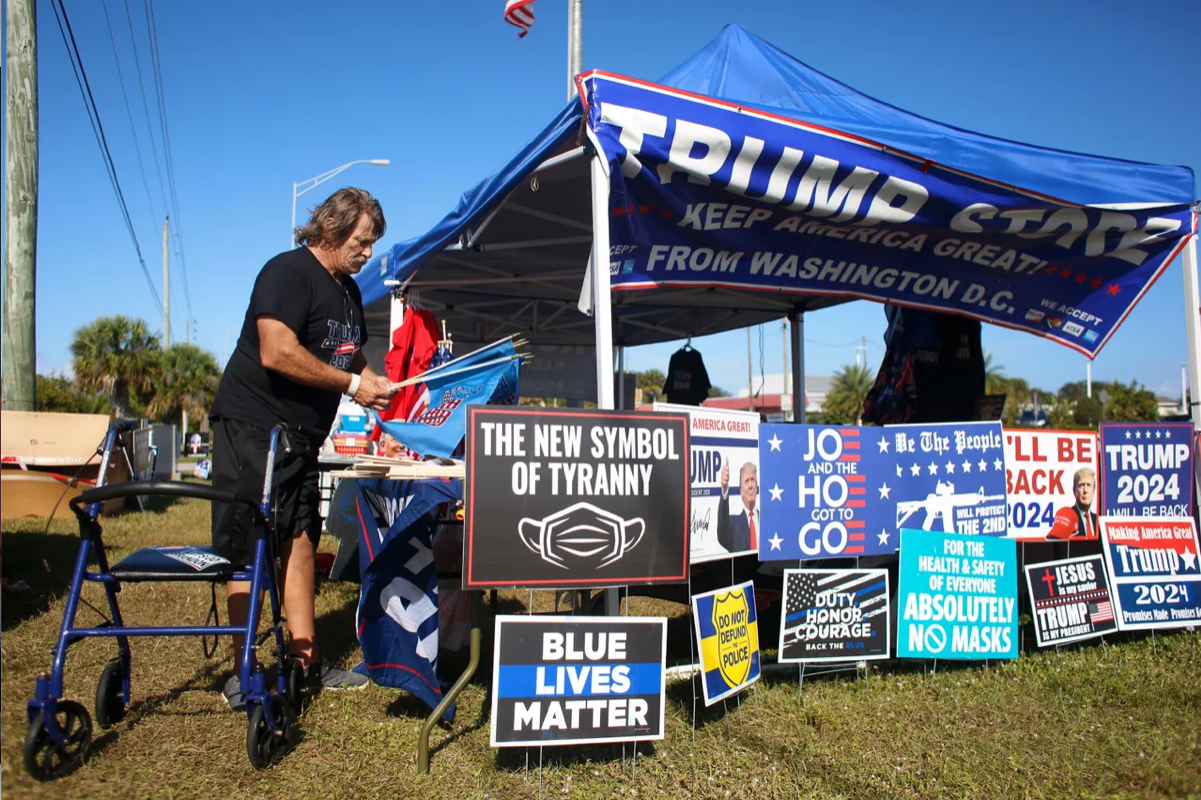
<point x="578" y="680"/>
<point x="575" y="499"/>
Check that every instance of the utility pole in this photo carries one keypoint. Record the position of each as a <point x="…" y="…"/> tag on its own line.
<point x="1088" y="385"/>
<point x="862" y="349"/>
<point x="750" y="386"/>
<point x="166" y="288"/>
<point x="21" y="204"/>
<point x="575" y="44"/>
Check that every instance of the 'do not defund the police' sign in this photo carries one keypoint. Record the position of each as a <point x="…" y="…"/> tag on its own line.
<point x="578" y="680"/>
<point x="565" y="499"/>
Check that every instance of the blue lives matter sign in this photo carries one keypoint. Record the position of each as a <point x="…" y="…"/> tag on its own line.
<point x="1147" y="469"/>
<point x="578" y="680"/>
<point x="1154" y="571"/>
<point x="958" y="596"/>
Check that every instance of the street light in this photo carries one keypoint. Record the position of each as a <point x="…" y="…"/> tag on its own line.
<point x="313" y="183"/>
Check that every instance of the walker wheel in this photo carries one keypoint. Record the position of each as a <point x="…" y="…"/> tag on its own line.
<point x="46" y="759"/>
<point x="294" y="683"/>
<point x="264" y="747"/>
<point x="110" y="695"/>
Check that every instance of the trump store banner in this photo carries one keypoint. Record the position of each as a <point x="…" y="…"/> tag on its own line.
<point x="563" y="499"/>
<point x="728" y="631"/>
<point x="958" y="597"/>
<point x="1154" y="571"/>
<point x="1071" y="600"/>
<point x="723" y="469"/>
<point x="834" y="615"/>
<point x="1051" y="482"/>
<point x="577" y="680"/>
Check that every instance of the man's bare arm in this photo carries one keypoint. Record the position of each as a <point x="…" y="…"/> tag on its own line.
<point x="280" y="351"/>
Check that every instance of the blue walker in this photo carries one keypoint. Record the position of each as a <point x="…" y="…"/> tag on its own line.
<point x="60" y="731"/>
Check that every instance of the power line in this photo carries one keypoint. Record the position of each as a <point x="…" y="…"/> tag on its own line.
<point x="156" y="64"/>
<point x="137" y="62"/>
<point x="85" y="90"/>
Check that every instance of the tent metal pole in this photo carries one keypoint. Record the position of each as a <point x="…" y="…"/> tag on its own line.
<point x="602" y="309"/>
<point x="396" y="310"/>
<point x="621" y="376"/>
<point x="798" y="366"/>
<point x="1192" y="316"/>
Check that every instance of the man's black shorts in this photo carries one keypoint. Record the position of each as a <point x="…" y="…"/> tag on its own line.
<point x="239" y="461"/>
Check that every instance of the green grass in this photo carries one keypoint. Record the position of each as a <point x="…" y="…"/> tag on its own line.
<point x="1120" y="720"/>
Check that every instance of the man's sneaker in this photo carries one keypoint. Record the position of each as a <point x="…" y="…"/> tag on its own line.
<point x="233" y="693"/>
<point x="327" y="676"/>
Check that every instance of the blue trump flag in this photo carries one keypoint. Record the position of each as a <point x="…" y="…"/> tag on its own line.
<point x="489" y="375"/>
<point x="708" y="193"/>
<point x="397" y="616"/>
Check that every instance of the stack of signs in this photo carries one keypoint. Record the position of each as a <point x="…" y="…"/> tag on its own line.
<point x="728" y="630"/>
<point x="578" y="680"/>
<point x="834" y="615"/>
<point x="1147" y="469"/>
<point x="1071" y="600"/>
<point x="845" y="491"/>
<point x="1041" y="470"/>
<point x="958" y="597"/>
<point x="724" y="475"/>
<point x="1153" y="569"/>
<point x="564" y="499"/>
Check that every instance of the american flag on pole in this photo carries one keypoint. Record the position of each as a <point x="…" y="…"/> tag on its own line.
<point x="520" y="14"/>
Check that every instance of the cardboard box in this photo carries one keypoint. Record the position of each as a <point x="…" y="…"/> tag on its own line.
<point x="42" y="453"/>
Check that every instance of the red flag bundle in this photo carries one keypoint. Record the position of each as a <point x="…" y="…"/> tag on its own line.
<point x="520" y="14"/>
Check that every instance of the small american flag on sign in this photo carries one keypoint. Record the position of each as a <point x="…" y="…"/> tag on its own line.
<point x="1102" y="612"/>
<point x="520" y="14"/>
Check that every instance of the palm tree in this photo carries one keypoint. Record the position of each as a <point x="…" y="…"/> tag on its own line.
<point x="995" y="381"/>
<point x="187" y="384"/>
<point x="848" y="390"/>
<point x="115" y="355"/>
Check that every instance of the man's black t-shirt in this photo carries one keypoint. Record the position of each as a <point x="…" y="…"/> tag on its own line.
<point x="325" y="313"/>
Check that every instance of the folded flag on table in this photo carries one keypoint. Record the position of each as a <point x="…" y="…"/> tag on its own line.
<point x="473" y="379"/>
<point x="397" y="616"/>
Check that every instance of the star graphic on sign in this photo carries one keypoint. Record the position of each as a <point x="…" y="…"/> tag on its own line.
<point x="1127" y="434"/>
<point x="1157" y="434"/>
<point x="967" y="466"/>
<point x="884" y="490"/>
<point x="644" y="209"/>
<point x="1081" y="277"/>
<point x="883" y="537"/>
<point x="776" y="491"/>
<point x="619" y="212"/>
<point x="1138" y="434"/>
<point x="983" y="465"/>
<point x="998" y="464"/>
<point x="1113" y="290"/>
<point x="950" y="468"/>
<point x="900" y="472"/>
<point x="883" y="445"/>
<point x="1167" y="434"/>
<point x="775" y="541"/>
<point x="1065" y="273"/>
<point x="775" y="443"/>
<point x="1189" y="558"/>
<point x="933" y="469"/>
<point x="1097" y="283"/>
<point x="916" y="470"/>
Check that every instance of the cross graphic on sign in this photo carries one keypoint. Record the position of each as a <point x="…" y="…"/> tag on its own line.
<point x="1049" y="579"/>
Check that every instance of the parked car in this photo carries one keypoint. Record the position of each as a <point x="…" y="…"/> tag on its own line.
<point x="1028" y="419"/>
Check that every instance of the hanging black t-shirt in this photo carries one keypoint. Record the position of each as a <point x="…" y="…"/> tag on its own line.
<point x="687" y="379"/>
<point x="325" y="313"/>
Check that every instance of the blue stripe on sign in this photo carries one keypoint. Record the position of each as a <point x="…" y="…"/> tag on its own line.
<point x="721" y="441"/>
<point x="591" y="680"/>
<point x="859" y="595"/>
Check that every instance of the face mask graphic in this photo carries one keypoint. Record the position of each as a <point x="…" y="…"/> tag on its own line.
<point x="581" y="537"/>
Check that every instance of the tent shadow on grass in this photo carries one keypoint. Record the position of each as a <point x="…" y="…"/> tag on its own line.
<point x="27" y="556"/>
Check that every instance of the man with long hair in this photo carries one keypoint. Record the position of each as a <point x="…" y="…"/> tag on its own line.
<point x="299" y="351"/>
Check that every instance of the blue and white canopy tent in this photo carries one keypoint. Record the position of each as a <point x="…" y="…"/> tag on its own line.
<point x="745" y="186"/>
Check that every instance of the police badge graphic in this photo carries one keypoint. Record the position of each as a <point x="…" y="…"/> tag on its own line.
<point x="581" y="536"/>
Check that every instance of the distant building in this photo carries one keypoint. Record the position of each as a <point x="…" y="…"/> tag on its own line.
<point x="773" y="398"/>
<point x="1169" y="407"/>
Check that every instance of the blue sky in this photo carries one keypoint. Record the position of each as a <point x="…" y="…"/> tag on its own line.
<point x="260" y="95"/>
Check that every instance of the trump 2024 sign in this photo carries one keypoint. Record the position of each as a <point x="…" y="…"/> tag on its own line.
<point x="575" y="499"/>
<point x="578" y="680"/>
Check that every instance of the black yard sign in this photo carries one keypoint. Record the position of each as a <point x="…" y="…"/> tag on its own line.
<point x="578" y="680"/>
<point x="575" y="499"/>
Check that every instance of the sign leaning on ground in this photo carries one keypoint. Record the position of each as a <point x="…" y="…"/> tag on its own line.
<point x="834" y="615"/>
<point x="1154" y="571"/>
<point x="563" y="499"/>
<point x="1071" y="600"/>
<point x="728" y="630"/>
<point x="1146" y="469"/>
<point x="724" y="520"/>
<point x="1040" y="470"/>
<point x="958" y="596"/>
<point x="578" y="680"/>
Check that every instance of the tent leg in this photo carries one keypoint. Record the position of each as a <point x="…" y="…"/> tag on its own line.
<point x="621" y="377"/>
<point x="798" y="366"/>
<point x="602" y="309"/>
<point x="1192" y="316"/>
<point x="423" y="743"/>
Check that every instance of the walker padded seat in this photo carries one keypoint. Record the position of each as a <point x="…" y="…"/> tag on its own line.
<point x="178" y="563"/>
